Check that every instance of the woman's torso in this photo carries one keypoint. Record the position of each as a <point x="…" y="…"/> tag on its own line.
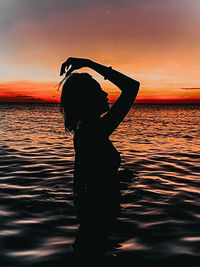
<point x="96" y="170"/>
<point x="95" y="153"/>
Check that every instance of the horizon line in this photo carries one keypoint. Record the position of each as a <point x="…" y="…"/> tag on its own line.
<point x="111" y="102"/>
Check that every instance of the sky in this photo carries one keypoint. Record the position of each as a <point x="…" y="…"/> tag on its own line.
<point x="153" y="41"/>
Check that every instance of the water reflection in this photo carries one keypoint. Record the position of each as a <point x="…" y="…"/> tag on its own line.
<point x="160" y="216"/>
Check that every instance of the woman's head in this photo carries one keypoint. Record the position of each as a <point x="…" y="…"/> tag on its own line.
<point x="82" y="99"/>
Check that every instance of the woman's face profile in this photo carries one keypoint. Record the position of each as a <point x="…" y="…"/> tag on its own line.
<point x="98" y="98"/>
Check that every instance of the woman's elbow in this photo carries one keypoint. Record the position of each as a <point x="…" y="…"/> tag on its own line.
<point x="134" y="86"/>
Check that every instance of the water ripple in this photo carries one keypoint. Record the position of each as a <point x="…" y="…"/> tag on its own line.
<point x="160" y="217"/>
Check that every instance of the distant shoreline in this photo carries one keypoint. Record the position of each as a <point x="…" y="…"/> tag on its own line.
<point x="137" y="103"/>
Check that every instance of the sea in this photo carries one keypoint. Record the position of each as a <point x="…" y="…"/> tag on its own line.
<point x="159" y="222"/>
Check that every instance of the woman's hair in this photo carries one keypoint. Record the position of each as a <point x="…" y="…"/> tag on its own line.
<point x="75" y="98"/>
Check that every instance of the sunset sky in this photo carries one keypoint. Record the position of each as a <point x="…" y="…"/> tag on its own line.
<point x="154" y="41"/>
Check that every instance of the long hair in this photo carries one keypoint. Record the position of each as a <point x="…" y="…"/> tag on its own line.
<point x="72" y="102"/>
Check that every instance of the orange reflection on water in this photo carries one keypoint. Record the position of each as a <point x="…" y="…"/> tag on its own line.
<point x="131" y="244"/>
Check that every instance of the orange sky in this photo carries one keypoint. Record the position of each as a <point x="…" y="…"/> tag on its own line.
<point x="153" y="41"/>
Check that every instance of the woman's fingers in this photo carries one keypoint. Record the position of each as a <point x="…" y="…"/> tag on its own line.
<point x="68" y="62"/>
<point x="70" y="71"/>
<point x="65" y="65"/>
<point x="76" y="63"/>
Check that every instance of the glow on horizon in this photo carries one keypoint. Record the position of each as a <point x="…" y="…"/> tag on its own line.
<point x="27" y="91"/>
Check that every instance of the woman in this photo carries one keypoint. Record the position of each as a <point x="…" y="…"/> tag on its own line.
<point x="87" y="114"/>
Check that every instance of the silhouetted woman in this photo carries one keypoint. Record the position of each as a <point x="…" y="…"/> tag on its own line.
<point x="87" y="114"/>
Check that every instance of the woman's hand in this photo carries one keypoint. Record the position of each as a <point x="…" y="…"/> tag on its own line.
<point x="75" y="63"/>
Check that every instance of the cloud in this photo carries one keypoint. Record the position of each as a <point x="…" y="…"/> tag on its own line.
<point x="44" y="26"/>
<point x="27" y="98"/>
<point x="45" y="33"/>
<point x="20" y="98"/>
<point x="13" y="11"/>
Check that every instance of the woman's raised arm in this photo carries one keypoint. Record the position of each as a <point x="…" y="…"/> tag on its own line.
<point x="129" y="89"/>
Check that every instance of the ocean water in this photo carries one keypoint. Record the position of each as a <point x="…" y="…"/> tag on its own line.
<point x="160" y="219"/>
